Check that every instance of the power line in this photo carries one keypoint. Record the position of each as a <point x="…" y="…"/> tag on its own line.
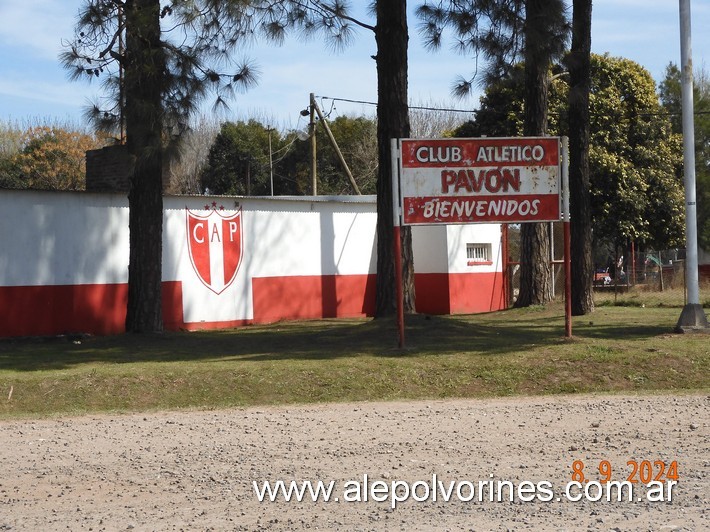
<point x="423" y="108"/>
<point x="474" y="111"/>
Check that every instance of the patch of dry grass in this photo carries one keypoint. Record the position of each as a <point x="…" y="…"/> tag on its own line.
<point x="519" y="351"/>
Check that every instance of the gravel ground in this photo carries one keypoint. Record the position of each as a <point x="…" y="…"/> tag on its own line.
<point x="194" y="470"/>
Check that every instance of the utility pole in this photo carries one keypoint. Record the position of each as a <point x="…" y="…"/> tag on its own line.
<point x="271" y="161"/>
<point x="331" y="137"/>
<point x="312" y="134"/>
<point x="692" y="318"/>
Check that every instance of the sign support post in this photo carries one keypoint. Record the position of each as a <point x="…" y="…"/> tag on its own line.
<point x="567" y="236"/>
<point x="479" y="180"/>
<point x="397" y="239"/>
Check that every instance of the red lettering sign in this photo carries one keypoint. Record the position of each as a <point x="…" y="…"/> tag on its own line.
<point x="480" y="180"/>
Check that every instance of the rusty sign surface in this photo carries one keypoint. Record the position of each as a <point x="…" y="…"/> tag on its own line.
<point x="479" y="180"/>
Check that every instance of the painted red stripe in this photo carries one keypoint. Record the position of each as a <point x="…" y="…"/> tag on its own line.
<point x="313" y="296"/>
<point x="200" y="247"/>
<point x="88" y="308"/>
<point x="432" y="293"/>
<point x="101" y="308"/>
<point x="459" y="293"/>
<point x="49" y="310"/>
<point x="231" y="235"/>
<point x="478" y="292"/>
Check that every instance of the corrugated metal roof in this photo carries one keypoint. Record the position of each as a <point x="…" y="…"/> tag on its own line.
<point x="368" y="198"/>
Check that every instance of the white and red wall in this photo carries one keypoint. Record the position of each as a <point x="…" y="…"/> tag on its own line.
<point x="64" y="262"/>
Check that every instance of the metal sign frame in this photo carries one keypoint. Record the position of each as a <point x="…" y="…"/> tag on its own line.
<point x="480" y="180"/>
<point x="530" y="173"/>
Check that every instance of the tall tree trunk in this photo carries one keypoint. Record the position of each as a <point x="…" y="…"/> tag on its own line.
<point x="144" y="71"/>
<point x="391" y="35"/>
<point x="581" y="215"/>
<point x="535" y="278"/>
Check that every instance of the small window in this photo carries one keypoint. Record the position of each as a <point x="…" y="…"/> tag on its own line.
<point x="478" y="254"/>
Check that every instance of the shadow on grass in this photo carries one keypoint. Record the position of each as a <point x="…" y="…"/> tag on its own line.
<point x="629" y="331"/>
<point x="487" y="334"/>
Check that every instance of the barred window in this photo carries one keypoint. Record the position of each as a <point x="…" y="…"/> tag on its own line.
<point x="477" y="253"/>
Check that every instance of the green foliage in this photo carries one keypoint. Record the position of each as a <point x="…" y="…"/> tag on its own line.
<point x="670" y="90"/>
<point x="502" y="107"/>
<point x="635" y="157"/>
<point x="10" y="146"/>
<point x="158" y="60"/>
<point x="357" y="140"/>
<point x="238" y="162"/>
<point x="9" y="173"/>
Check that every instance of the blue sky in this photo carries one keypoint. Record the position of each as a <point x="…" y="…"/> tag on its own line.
<point x="33" y="85"/>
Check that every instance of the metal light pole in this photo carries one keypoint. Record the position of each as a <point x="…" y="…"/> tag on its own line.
<point x="692" y="317"/>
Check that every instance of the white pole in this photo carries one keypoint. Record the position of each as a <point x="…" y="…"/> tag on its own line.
<point x="395" y="149"/>
<point x="692" y="314"/>
<point x="395" y="162"/>
<point x="691" y="228"/>
<point x="564" y="168"/>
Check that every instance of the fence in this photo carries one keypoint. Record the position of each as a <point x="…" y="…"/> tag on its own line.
<point x="644" y="279"/>
<point x="655" y="279"/>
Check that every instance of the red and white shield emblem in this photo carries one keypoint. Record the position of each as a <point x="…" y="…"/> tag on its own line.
<point x="214" y="242"/>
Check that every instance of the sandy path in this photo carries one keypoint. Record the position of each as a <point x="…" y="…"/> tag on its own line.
<point x="194" y="470"/>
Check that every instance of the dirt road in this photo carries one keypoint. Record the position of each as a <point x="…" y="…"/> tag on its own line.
<point x="195" y="470"/>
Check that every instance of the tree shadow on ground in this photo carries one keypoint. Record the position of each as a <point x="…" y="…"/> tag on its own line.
<point x="492" y="334"/>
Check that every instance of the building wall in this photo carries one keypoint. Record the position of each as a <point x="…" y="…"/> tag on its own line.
<point x="108" y="169"/>
<point x="446" y="280"/>
<point x="64" y="262"/>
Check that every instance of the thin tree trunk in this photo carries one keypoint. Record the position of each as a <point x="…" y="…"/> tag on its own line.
<point x="535" y="276"/>
<point x="144" y="70"/>
<point x="580" y="206"/>
<point x="391" y="35"/>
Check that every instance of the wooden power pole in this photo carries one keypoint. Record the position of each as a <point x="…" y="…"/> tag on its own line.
<point x="314" y="105"/>
<point x="312" y="133"/>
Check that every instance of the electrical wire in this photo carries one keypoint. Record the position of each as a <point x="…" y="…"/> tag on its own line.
<point x="474" y="111"/>
<point x="347" y="100"/>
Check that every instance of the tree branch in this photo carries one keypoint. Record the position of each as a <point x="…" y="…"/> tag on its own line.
<point x="341" y="16"/>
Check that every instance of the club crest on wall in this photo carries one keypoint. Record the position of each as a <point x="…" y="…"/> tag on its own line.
<point x="214" y="242"/>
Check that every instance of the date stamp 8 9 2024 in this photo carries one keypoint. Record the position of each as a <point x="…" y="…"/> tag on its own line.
<point x="645" y="471"/>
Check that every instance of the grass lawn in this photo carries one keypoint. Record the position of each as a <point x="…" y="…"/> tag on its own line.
<point x="522" y="351"/>
<point x="638" y="296"/>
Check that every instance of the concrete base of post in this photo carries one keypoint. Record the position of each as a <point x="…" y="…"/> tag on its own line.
<point x="692" y="319"/>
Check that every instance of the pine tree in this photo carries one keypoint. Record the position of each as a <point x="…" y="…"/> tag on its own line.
<point x="154" y="82"/>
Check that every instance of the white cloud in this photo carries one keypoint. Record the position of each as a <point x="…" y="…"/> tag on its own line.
<point x="640" y="5"/>
<point x="31" y="33"/>
<point x="37" y="25"/>
<point x="64" y="94"/>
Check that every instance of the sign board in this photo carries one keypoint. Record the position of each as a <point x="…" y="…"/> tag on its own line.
<point x="479" y="180"/>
